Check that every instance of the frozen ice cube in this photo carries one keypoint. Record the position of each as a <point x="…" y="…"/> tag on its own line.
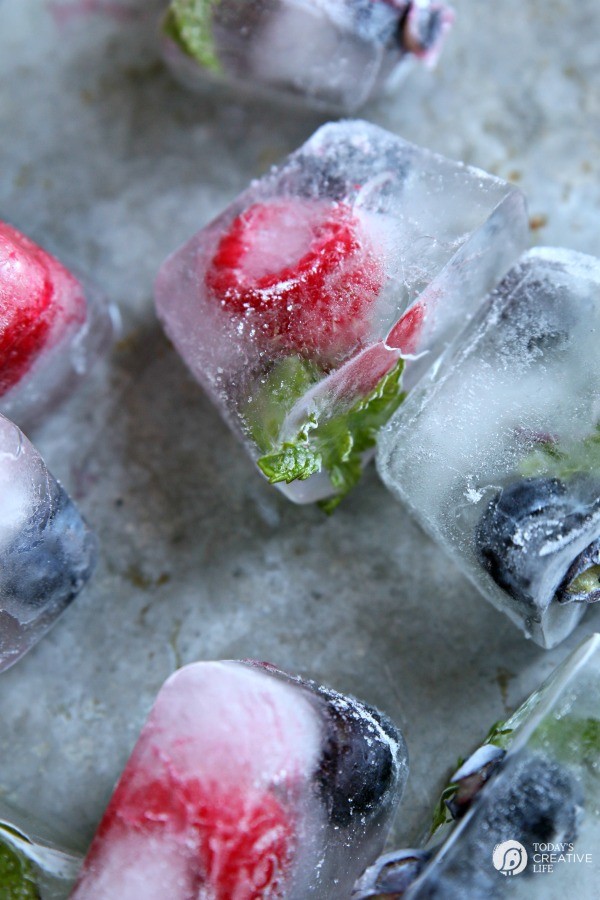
<point x="298" y="308"/>
<point x="331" y="53"/>
<point x="52" y="329"/>
<point x="498" y="451"/>
<point x="534" y="817"/>
<point x="47" y="552"/>
<point x="34" y="865"/>
<point x="247" y="783"/>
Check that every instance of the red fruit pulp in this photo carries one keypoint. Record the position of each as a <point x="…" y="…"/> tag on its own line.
<point x="239" y="842"/>
<point x="26" y="311"/>
<point x="302" y="272"/>
<point x="405" y="333"/>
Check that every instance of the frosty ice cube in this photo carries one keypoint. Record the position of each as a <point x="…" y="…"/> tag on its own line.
<point x="247" y="783"/>
<point x="298" y="308"/>
<point x="51" y="328"/>
<point x="498" y="451"/>
<point x="526" y="805"/>
<point x="32" y="865"/>
<point x="47" y="552"/>
<point x="331" y="53"/>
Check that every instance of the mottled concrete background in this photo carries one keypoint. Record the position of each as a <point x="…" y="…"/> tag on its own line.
<point x="105" y="160"/>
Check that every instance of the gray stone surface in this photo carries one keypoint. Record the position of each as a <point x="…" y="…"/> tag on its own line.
<point x="110" y="164"/>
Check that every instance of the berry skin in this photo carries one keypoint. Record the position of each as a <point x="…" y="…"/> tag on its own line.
<point x="302" y="273"/>
<point x="527" y="522"/>
<point x="357" y="766"/>
<point x="31" y="284"/>
<point x="405" y="333"/>
<point x="239" y="842"/>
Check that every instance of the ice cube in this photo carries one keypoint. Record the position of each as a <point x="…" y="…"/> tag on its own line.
<point x="498" y="452"/>
<point x="535" y="817"/>
<point x="47" y="552"/>
<point x="297" y="307"/>
<point x="247" y="783"/>
<point x="335" y="54"/>
<point x="52" y="329"/>
<point x="33" y="866"/>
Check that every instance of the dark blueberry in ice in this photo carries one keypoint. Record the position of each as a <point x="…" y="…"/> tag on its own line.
<point x="310" y="176"/>
<point x="538" y="319"/>
<point x="391" y="875"/>
<point x="532" y="800"/>
<point x="472" y="776"/>
<point x="357" y="767"/>
<point x="538" y="802"/>
<point x="52" y="558"/>
<point x="528" y="522"/>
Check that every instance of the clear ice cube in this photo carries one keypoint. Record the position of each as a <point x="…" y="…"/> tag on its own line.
<point x="34" y="864"/>
<point x="298" y="308"/>
<point x="335" y="54"/>
<point x="52" y="328"/>
<point x="534" y="815"/>
<point x="47" y="552"/>
<point x="498" y="451"/>
<point x="247" y="783"/>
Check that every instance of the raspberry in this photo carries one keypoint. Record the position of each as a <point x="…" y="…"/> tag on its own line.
<point x="302" y="272"/>
<point x="405" y="333"/>
<point x="239" y="841"/>
<point x="31" y="285"/>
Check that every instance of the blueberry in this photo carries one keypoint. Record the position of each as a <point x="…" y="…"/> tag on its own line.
<point x="358" y="766"/>
<point x="533" y="800"/>
<point x="539" y="802"/>
<point x="51" y="559"/>
<point x="526" y="524"/>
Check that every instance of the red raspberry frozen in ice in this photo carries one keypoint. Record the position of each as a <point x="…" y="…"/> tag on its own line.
<point x="237" y="843"/>
<point x="39" y="299"/>
<point x="303" y="272"/>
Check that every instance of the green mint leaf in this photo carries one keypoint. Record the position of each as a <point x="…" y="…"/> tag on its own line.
<point x="336" y="444"/>
<point x="293" y="462"/>
<point x="441" y="813"/>
<point x="564" y="460"/>
<point x="273" y="398"/>
<point x="570" y="738"/>
<point x="189" y="24"/>
<point x="16" y="878"/>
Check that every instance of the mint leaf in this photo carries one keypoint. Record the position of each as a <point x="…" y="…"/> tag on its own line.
<point x="265" y="412"/>
<point x="336" y="444"/>
<point x="441" y="813"/>
<point x="571" y="738"/>
<point x="565" y="460"/>
<point x="16" y="880"/>
<point x="189" y="24"/>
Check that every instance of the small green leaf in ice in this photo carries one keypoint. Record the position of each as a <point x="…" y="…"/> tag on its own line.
<point x="564" y="460"/>
<point x="570" y="739"/>
<point x="337" y="444"/>
<point x="189" y="24"/>
<point x="16" y="877"/>
<point x="441" y="813"/>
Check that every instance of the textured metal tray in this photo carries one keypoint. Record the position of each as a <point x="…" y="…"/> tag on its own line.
<point x="111" y="165"/>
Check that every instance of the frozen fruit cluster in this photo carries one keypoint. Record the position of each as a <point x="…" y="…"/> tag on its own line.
<point x="311" y="305"/>
<point x="332" y="53"/>
<point x="247" y="783"/>
<point x="527" y="791"/>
